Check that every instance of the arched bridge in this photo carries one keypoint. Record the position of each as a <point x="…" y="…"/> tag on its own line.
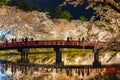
<point x="25" y="44"/>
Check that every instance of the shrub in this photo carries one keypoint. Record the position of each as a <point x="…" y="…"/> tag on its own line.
<point x="83" y="18"/>
<point x="4" y="2"/>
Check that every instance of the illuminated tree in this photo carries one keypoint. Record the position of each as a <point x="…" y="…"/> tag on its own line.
<point x="4" y="2"/>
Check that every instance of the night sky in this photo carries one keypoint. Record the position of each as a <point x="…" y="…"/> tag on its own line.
<point x="76" y="12"/>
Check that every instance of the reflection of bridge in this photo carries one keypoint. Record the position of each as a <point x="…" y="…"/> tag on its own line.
<point x="24" y="67"/>
<point x="64" y="66"/>
<point x="24" y="45"/>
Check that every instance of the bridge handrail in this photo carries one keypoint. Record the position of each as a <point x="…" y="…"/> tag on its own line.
<point x="49" y="43"/>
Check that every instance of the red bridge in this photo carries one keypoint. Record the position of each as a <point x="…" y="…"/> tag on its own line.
<point x="25" y="44"/>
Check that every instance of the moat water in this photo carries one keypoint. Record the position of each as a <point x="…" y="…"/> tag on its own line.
<point x="10" y="72"/>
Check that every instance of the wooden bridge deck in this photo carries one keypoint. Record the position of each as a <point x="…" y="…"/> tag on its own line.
<point x="48" y="44"/>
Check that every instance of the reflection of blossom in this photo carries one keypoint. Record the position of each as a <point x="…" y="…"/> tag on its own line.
<point x="3" y="74"/>
<point x="54" y="74"/>
<point x="77" y="60"/>
<point x="65" y="61"/>
<point x="9" y="73"/>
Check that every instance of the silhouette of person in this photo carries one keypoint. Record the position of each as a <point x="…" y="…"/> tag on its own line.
<point x="68" y="38"/>
<point x="15" y="40"/>
<point x="83" y="39"/>
<point x="6" y="42"/>
<point x="26" y="39"/>
<point x="31" y="39"/>
<point x="79" y="39"/>
<point x="22" y="39"/>
<point x="12" y="40"/>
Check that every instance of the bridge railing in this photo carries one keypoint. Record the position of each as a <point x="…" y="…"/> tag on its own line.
<point x="63" y="43"/>
<point x="49" y="43"/>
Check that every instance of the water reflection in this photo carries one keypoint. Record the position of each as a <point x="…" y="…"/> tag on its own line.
<point x="11" y="72"/>
<point x="3" y="74"/>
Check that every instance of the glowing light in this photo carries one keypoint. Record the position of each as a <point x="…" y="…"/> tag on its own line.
<point x="3" y="74"/>
<point x="76" y="60"/>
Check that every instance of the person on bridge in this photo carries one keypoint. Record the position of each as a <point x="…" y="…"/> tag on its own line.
<point x="78" y="39"/>
<point x="68" y="38"/>
<point x="15" y="40"/>
<point x="26" y="39"/>
<point x="12" y="40"/>
<point x="6" y="42"/>
<point x="31" y="39"/>
<point x="23" y="40"/>
<point x="83" y="39"/>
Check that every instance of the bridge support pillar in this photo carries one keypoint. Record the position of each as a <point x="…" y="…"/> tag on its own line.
<point x="58" y="62"/>
<point x="96" y="62"/>
<point x="24" y="55"/>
